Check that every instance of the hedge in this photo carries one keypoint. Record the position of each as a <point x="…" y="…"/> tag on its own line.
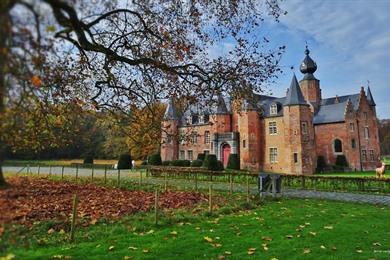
<point x="88" y="160"/>
<point x="210" y="162"/>
<point x="201" y="156"/>
<point x="196" y="163"/>
<point x="124" y="161"/>
<point x="234" y="162"/>
<point x="181" y="163"/>
<point x="155" y="159"/>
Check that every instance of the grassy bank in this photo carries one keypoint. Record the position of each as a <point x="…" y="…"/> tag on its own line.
<point x="286" y="229"/>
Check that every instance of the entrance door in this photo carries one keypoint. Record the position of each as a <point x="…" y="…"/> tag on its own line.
<point x="225" y="154"/>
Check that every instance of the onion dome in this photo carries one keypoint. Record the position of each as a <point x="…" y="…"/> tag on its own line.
<point x="308" y="66"/>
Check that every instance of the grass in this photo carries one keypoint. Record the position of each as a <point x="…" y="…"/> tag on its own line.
<point x="348" y="174"/>
<point x="285" y="229"/>
<point x="66" y="162"/>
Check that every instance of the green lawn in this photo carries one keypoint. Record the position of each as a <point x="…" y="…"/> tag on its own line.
<point x="348" y="174"/>
<point x="286" y="229"/>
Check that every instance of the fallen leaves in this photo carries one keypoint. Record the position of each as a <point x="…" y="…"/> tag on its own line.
<point x="208" y="239"/>
<point x="306" y="251"/>
<point x="328" y="227"/>
<point x="32" y="199"/>
<point x="111" y="248"/>
<point x="251" y="250"/>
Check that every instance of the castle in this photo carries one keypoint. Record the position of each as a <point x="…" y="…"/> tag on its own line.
<point x="283" y="135"/>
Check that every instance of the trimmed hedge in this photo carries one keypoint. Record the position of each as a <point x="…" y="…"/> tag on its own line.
<point x="88" y="160"/>
<point x="220" y="166"/>
<point x="124" y="161"/>
<point x="321" y="163"/>
<point x="341" y="161"/>
<point x="210" y="162"/>
<point x="234" y="162"/>
<point x="166" y="163"/>
<point x="196" y="163"/>
<point x="181" y="163"/>
<point x="201" y="156"/>
<point x="155" y="159"/>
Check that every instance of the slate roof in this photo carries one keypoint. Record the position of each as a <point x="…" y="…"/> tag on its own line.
<point x="370" y="99"/>
<point x="294" y="94"/>
<point x="170" y="112"/>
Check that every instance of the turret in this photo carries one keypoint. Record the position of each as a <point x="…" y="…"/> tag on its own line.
<point x="299" y="134"/>
<point x="169" y="135"/>
<point x="310" y="86"/>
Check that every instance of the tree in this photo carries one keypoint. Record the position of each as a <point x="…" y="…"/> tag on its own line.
<point x="117" y="56"/>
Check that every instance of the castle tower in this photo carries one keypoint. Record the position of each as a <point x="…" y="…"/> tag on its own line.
<point x="169" y="134"/>
<point x="310" y="86"/>
<point x="299" y="133"/>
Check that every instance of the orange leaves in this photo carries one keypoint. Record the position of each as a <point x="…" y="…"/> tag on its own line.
<point x="36" y="81"/>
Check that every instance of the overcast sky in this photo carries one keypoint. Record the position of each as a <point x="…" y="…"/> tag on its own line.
<point x="349" y="40"/>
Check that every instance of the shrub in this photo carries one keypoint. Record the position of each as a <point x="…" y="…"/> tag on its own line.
<point x="181" y="163"/>
<point x="234" y="162"/>
<point x="220" y="166"/>
<point x="201" y="156"/>
<point x="144" y="162"/>
<point x="155" y="159"/>
<point x="88" y="159"/>
<point x="210" y="162"/>
<point x="166" y="163"/>
<point x="196" y="163"/>
<point x="321" y="163"/>
<point x="341" y="161"/>
<point x="124" y="161"/>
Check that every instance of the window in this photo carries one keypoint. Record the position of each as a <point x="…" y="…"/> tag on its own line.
<point x="366" y="133"/>
<point x="252" y="137"/>
<point x="212" y="146"/>
<point x="304" y="128"/>
<point x="295" y="157"/>
<point x="273" y="130"/>
<point x="206" y="118"/>
<point x="273" y="155"/>
<point x="372" y="155"/>
<point x="195" y="119"/>
<point x="273" y="110"/>
<point x="338" y="146"/>
<point x="206" y="137"/>
<point x="190" y="155"/>
<point x="353" y="143"/>
<point x="182" y="155"/>
<point x="194" y="137"/>
<point x="188" y="120"/>
<point x="169" y="139"/>
<point x="243" y="143"/>
<point x="365" y="116"/>
<point x="351" y="127"/>
<point x="364" y="155"/>
<point x="201" y="119"/>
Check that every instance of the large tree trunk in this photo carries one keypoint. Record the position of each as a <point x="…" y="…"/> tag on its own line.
<point x="5" y="29"/>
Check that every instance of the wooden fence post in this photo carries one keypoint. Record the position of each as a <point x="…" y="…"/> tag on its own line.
<point x="156" y="206"/>
<point x="74" y="215"/>
<point x="231" y="183"/>
<point x="196" y="181"/>
<point x="247" y="189"/>
<point x="50" y="170"/>
<point x="28" y="169"/>
<point x="77" y="171"/>
<point x="210" y="199"/>
<point x="105" y="174"/>
<point x="119" y="178"/>
<point x="140" y="179"/>
<point x="62" y="173"/>
<point x="165" y="181"/>
<point x="93" y="171"/>
<point x="39" y="169"/>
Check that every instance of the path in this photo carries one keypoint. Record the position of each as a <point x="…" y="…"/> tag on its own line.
<point x="222" y="186"/>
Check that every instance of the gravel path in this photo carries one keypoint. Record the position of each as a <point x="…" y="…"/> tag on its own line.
<point x="293" y="193"/>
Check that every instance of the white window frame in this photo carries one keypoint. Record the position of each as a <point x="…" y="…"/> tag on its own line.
<point x="190" y="155"/>
<point x="182" y="155"/>
<point x="194" y="137"/>
<point x="272" y="128"/>
<point x="273" y="109"/>
<point x="366" y="132"/>
<point x="207" y="137"/>
<point x="371" y="154"/>
<point x="273" y="154"/>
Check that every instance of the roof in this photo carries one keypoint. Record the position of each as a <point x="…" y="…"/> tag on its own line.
<point x="330" y="113"/>
<point x="294" y="94"/>
<point x="370" y="99"/>
<point x="342" y="99"/>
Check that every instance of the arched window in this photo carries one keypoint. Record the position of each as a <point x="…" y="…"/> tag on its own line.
<point x="338" y="146"/>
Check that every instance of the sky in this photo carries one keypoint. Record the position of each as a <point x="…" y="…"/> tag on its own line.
<point x="348" y="39"/>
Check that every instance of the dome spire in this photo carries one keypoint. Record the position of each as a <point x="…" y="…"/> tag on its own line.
<point x="308" y="66"/>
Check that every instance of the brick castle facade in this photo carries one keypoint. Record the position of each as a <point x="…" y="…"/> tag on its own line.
<point x="283" y="135"/>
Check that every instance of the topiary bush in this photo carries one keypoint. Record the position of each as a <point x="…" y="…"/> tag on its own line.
<point x="196" y="163"/>
<point x="220" y="166"/>
<point x="155" y="159"/>
<point x="124" y="161"/>
<point x="201" y="156"/>
<point x="210" y="162"/>
<point x="166" y="163"/>
<point x="88" y="160"/>
<point x="341" y="161"/>
<point x="321" y="163"/>
<point x="181" y="163"/>
<point x="234" y="162"/>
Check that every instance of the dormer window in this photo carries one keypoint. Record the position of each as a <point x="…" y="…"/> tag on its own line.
<point x="206" y="118"/>
<point x="201" y="119"/>
<point x="195" y="119"/>
<point x="188" y="120"/>
<point x="273" y="110"/>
